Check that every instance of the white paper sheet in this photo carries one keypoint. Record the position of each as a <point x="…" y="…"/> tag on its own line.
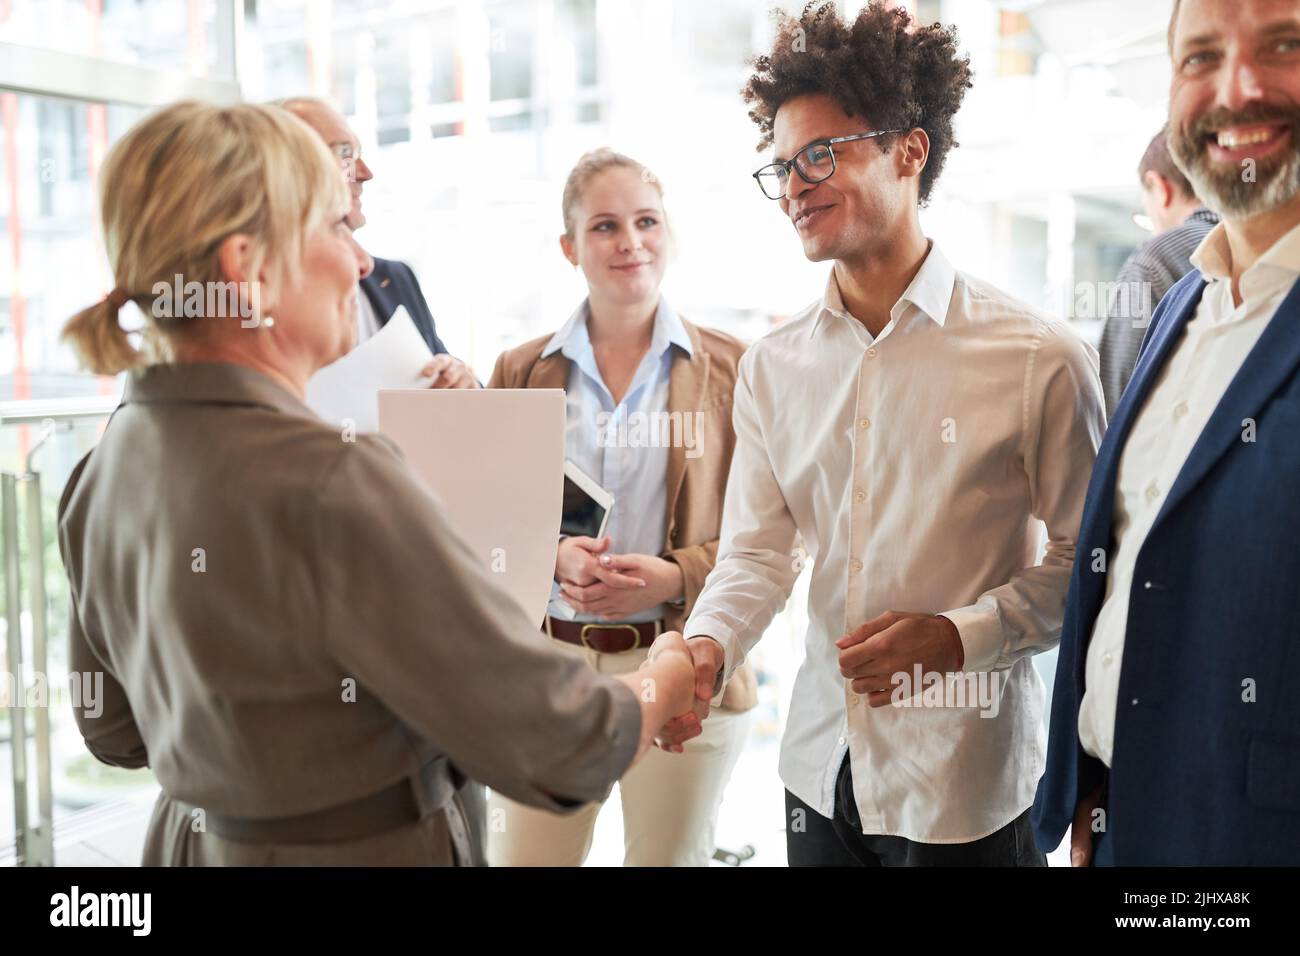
<point x="496" y="459"/>
<point x="348" y="390"/>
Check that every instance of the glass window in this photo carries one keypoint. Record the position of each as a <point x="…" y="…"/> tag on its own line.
<point x="52" y="262"/>
<point x="444" y="82"/>
<point x="578" y="19"/>
<point x="510" y="52"/>
<point x="161" y="34"/>
<point x="392" y="64"/>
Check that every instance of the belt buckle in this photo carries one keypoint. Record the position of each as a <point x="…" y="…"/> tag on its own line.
<point x="636" y="637"/>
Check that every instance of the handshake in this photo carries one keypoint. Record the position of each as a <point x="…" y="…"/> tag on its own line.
<point x="684" y="676"/>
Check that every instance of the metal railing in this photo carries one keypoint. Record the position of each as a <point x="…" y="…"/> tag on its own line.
<point x="21" y="514"/>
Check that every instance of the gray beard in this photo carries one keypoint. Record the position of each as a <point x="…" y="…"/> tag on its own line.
<point x="1234" y="198"/>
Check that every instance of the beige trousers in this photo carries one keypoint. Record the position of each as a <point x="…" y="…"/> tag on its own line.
<point x="670" y="801"/>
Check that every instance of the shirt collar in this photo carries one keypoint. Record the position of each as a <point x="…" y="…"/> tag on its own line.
<point x="1213" y="256"/>
<point x="930" y="291"/>
<point x="574" y="341"/>
<point x="209" y="383"/>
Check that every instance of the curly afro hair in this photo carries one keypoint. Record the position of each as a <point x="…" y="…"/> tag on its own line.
<point x="881" y="67"/>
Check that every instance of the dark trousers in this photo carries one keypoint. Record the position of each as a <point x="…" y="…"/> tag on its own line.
<point x="812" y="840"/>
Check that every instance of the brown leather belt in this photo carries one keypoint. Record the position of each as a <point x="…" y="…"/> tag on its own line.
<point x="604" y="638"/>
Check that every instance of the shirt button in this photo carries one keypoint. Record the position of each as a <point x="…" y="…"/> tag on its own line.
<point x="1107" y="659"/>
<point x="860" y="495"/>
<point x="871" y="353"/>
<point x="841" y="740"/>
<point x="864" y="423"/>
<point x="1180" y="410"/>
<point x="1152" y="493"/>
<point x="856" y="565"/>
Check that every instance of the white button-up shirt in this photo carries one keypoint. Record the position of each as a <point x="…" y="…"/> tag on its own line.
<point x="919" y="468"/>
<point x="1197" y="374"/>
<point x="367" y="320"/>
<point x="620" y="445"/>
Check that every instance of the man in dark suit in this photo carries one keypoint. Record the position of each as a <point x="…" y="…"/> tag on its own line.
<point x="1175" y="732"/>
<point x="390" y="283"/>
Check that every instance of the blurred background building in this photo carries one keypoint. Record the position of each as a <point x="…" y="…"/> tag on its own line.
<point x="471" y="113"/>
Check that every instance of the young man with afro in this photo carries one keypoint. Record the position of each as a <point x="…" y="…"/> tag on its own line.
<point x="921" y="433"/>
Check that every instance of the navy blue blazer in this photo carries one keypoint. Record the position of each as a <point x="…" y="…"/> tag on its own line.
<point x="1206" y="763"/>
<point x="393" y="284"/>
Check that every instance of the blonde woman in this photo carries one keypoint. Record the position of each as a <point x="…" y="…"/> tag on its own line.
<point x="649" y="418"/>
<point x="289" y="633"/>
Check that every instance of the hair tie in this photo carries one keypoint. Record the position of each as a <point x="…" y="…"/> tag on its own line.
<point x="117" y="298"/>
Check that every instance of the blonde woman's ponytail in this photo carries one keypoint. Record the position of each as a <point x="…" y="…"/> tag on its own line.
<point x="99" y="340"/>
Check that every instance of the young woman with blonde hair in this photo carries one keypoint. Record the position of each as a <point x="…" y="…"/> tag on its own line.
<point x="649" y="418"/>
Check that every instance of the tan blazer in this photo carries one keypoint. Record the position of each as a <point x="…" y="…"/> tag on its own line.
<point x="285" y="622"/>
<point x="703" y="383"/>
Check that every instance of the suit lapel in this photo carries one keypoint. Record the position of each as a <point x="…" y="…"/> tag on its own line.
<point x="1270" y="363"/>
<point x="687" y="383"/>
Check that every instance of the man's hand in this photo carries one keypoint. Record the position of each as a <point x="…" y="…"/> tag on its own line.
<point x="894" y="643"/>
<point x="446" y="371"/>
<point x="1081" y="829"/>
<point x="625" y="584"/>
<point x="708" y="659"/>
<point x="670" y="656"/>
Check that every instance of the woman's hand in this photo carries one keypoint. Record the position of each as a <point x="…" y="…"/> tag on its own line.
<point x="625" y="584"/>
<point x="664" y="684"/>
<point x="576" y="559"/>
<point x="670" y="655"/>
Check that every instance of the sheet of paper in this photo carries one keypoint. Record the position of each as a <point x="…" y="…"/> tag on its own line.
<point x="348" y="390"/>
<point x="496" y="459"/>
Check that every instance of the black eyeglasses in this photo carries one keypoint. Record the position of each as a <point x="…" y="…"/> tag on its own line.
<point x="814" y="163"/>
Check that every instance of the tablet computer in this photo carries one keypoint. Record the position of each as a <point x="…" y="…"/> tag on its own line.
<point x="586" y="505"/>
<point x="585" y="509"/>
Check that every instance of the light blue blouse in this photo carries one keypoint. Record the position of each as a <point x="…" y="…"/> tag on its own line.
<point x="622" y="446"/>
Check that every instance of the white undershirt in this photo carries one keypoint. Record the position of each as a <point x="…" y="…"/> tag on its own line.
<point x="367" y="320"/>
